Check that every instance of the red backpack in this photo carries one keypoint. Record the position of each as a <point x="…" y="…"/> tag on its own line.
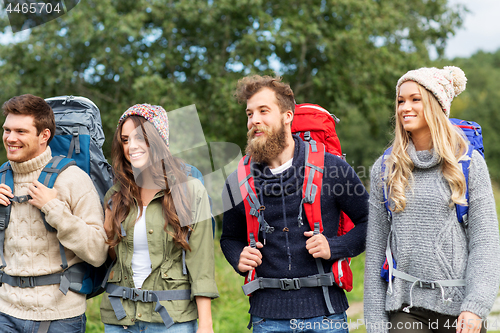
<point x="312" y="122"/>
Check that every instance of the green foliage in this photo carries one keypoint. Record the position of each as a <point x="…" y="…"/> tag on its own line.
<point x="479" y="101"/>
<point x="345" y="55"/>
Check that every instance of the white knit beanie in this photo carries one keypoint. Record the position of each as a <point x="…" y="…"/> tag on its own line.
<point x="444" y="83"/>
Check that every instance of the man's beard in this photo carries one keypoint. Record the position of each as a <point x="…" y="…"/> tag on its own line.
<point x="264" y="150"/>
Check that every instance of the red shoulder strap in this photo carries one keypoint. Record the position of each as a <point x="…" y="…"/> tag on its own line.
<point x="249" y="196"/>
<point x="313" y="182"/>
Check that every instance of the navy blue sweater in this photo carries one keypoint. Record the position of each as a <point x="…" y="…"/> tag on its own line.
<point x="285" y="254"/>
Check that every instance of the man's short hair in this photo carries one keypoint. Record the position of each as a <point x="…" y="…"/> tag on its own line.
<point x="250" y="85"/>
<point x="30" y="105"/>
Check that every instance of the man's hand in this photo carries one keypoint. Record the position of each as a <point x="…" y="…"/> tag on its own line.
<point x="468" y="322"/>
<point x="40" y="194"/>
<point x="250" y="258"/>
<point x="5" y="194"/>
<point x="317" y="245"/>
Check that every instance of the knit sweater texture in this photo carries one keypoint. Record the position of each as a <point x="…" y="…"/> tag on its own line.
<point x="30" y="250"/>
<point x="429" y="243"/>
<point x="285" y="255"/>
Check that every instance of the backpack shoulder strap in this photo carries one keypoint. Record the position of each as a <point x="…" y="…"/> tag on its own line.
<point x="311" y="199"/>
<point x="463" y="211"/>
<point x="313" y="182"/>
<point x="50" y="172"/>
<point x="250" y="200"/>
<point x="253" y="208"/>
<point x="56" y="165"/>
<point x="383" y="172"/>
<point x="6" y="177"/>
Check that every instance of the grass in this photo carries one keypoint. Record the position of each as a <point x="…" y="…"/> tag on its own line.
<point x="230" y="310"/>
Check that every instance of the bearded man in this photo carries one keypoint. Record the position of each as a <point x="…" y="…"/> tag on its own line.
<point x="277" y="164"/>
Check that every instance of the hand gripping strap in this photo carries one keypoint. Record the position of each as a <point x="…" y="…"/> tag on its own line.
<point x="252" y="205"/>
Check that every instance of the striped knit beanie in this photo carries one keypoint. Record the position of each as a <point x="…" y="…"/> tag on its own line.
<point x="444" y="83"/>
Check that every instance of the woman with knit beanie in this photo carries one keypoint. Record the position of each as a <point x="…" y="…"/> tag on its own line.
<point x="443" y="275"/>
<point x="159" y="229"/>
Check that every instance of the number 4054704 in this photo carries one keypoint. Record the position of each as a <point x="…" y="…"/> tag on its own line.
<point x="33" y="8"/>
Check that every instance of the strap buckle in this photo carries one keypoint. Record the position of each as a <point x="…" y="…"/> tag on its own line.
<point x="26" y="281"/>
<point x="325" y="279"/>
<point x="427" y="284"/>
<point x="138" y="295"/>
<point x="307" y="136"/>
<point x="290" y="284"/>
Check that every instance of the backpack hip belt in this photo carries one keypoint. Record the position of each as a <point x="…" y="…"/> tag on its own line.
<point x="318" y="280"/>
<point x="417" y="282"/>
<point x="30" y="281"/>
<point x="146" y="296"/>
<point x="69" y="279"/>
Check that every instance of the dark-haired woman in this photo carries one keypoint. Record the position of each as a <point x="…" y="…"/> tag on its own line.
<point x="159" y="228"/>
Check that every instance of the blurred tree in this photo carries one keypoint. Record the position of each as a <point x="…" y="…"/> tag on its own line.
<point x="345" y="55"/>
<point x="479" y="101"/>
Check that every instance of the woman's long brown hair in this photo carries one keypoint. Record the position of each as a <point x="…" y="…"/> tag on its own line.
<point x="166" y="169"/>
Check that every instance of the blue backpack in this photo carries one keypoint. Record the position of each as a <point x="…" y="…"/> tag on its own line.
<point x="473" y="133"/>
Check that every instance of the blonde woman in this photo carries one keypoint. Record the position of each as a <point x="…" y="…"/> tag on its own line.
<point x="444" y="277"/>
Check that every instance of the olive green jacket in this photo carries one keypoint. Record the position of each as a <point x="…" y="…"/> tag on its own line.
<point x="166" y="261"/>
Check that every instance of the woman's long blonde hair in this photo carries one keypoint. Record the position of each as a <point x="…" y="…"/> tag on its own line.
<point x="446" y="140"/>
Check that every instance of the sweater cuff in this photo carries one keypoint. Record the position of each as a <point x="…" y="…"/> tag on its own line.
<point x="476" y="308"/>
<point x="337" y="249"/>
<point x="48" y="207"/>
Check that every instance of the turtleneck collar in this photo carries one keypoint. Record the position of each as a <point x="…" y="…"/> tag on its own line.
<point x="290" y="179"/>
<point x="30" y="169"/>
<point x="423" y="159"/>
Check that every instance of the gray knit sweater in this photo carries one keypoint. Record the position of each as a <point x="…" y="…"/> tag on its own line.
<point x="429" y="243"/>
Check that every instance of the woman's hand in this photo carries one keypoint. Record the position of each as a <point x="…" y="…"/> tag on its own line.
<point x="468" y="322"/>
